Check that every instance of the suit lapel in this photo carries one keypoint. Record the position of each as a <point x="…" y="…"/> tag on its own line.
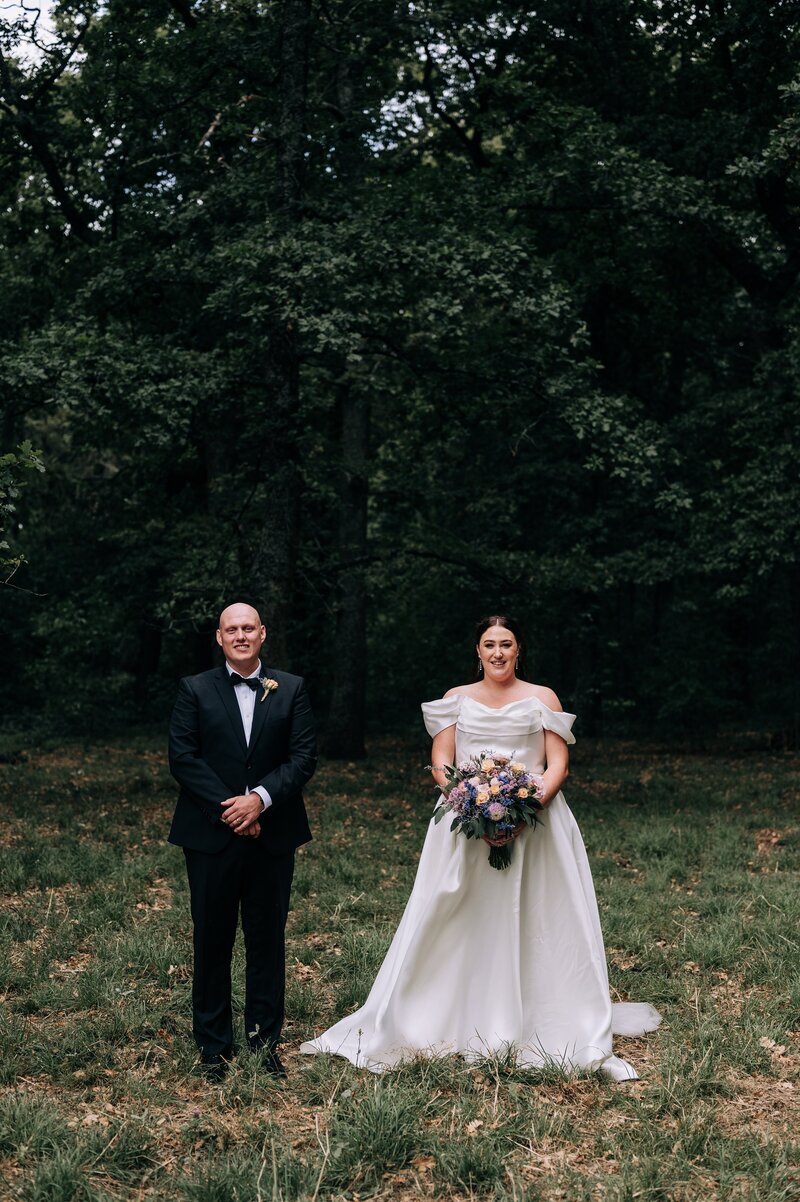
<point x="260" y="711"/>
<point x="228" y="698"/>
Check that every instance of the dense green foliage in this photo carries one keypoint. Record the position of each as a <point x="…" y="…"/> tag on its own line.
<point x="388" y="315"/>
<point x="13" y="466"/>
<point x="99" y="1093"/>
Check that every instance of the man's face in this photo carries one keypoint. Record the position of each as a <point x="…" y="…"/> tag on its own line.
<point x="240" y="635"/>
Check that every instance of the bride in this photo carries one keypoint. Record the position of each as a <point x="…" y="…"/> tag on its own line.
<point x="497" y="962"/>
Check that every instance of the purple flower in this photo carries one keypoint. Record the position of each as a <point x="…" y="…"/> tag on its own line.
<point x="496" y="811"/>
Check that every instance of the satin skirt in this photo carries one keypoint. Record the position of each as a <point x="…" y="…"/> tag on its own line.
<point x="491" y="962"/>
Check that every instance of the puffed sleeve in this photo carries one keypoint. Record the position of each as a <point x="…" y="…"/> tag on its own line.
<point x="557" y="721"/>
<point x="438" y="715"/>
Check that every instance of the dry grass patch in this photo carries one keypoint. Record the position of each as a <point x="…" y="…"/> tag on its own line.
<point x="762" y="1105"/>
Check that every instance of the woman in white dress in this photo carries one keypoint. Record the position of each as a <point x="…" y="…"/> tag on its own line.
<point x="497" y="962"/>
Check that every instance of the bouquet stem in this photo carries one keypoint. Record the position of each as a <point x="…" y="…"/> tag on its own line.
<point x="500" y="857"/>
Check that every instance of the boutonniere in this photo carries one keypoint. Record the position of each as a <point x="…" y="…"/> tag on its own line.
<point x="268" y="685"/>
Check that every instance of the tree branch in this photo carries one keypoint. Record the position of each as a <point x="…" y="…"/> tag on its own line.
<point x="48" y="81"/>
<point x="79" y="221"/>
<point x="184" y="10"/>
<point x="17" y="109"/>
<point x="471" y="145"/>
<point x="18" y="587"/>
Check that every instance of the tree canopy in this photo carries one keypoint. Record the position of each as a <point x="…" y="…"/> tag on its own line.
<point x="388" y="315"/>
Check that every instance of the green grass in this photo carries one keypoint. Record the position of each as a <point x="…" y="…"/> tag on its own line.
<point x="696" y="862"/>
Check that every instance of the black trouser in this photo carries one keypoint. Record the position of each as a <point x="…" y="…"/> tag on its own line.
<point x="240" y="875"/>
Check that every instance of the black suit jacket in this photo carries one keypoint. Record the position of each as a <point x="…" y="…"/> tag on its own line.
<point x="210" y="760"/>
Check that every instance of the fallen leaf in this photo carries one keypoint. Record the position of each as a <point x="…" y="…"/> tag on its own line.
<point x="424" y="1164"/>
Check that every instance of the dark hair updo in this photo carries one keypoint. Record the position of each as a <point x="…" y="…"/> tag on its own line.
<point x="508" y="624"/>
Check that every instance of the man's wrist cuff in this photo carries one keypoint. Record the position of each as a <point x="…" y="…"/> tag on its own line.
<point x="266" y="800"/>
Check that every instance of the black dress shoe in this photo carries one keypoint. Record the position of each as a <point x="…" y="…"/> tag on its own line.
<point x="214" y="1068"/>
<point x="268" y="1059"/>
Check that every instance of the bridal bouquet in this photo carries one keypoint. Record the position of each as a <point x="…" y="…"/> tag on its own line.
<point x="490" y="795"/>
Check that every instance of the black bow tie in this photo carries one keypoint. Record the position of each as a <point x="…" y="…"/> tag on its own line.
<point x="252" y="682"/>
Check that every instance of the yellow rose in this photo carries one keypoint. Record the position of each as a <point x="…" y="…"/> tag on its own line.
<point x="522" y="793"/>
<point x="517" y="767"/>
<point x="494" y="787"/>
<point x="487" y="765"/>
<point x="481" y="798"/>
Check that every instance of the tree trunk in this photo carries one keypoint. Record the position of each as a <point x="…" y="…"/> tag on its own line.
<point x="295" y="29"/>
<point x="274" y="564"/>
<point x="345" y="728"/>
<point x="344" y="734"/>
<point x="147" y="661"/>
<point x="275" y="560"/>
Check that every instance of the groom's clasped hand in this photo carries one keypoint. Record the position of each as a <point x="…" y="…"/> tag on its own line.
<point x="241" y="814"/>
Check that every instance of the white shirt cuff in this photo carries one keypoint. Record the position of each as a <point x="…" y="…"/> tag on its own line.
<point x="264" y="795"/>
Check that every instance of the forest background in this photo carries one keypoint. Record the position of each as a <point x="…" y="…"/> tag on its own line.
<point x="386" y="315"/>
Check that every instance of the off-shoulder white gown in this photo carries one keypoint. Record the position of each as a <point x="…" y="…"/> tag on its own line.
<point x="485" y="961"/>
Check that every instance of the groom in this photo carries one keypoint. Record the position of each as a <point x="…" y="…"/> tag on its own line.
<point x="241" y="746"/>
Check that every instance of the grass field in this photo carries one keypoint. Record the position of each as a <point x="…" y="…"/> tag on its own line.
<point x="696" y="863"/>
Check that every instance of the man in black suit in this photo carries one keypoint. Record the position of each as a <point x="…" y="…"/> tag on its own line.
<point x="241" y="746"/>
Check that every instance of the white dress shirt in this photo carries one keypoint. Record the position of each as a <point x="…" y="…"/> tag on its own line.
<point x="246" y="700"/>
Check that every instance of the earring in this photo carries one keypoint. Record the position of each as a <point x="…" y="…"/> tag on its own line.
<point x="480" y="666"/>
<point x="516" y="665"/>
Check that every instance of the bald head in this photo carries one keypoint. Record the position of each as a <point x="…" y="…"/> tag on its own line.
<point x="241" y="634"/>
<point x="239" y="610"/>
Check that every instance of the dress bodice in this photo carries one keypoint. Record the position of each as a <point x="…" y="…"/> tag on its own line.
<point x="514" y="729"/>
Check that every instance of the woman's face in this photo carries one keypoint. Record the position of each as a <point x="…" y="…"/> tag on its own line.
<point x="498" y="651"/>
